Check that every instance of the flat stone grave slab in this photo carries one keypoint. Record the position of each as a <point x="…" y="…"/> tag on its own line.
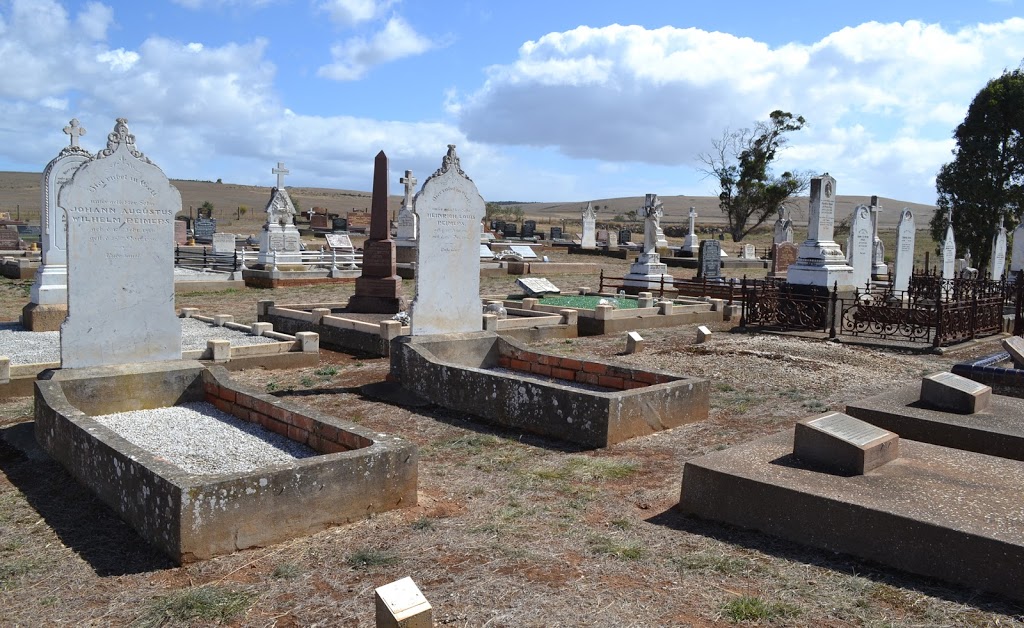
<point x="839" y="443"/>
<point x="537" y="286"/>
<point x="938" y="512"/>
<point x="953" y="393"/>
<point x="998" y="431"/>
<point x="524" y="252"/>
<point x="486" y="252"/>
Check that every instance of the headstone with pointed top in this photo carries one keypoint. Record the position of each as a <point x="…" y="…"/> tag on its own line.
<point x="449" y="208"/>
<point x="903" y="266"/>
<point x="120" y="252"/>
<point x="860" y="246"/>
<point x="589" y="227"/>
<point x="49" y="296"/>
<point x="949" y="253"/>
<point x="997" y="260"/>
<point x="379" y="288"/>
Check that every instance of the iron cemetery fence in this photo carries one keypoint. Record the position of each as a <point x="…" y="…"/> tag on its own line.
<point x="932" y="310"/>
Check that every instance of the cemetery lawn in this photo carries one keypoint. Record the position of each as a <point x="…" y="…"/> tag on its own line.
<point x="510" y="529"/>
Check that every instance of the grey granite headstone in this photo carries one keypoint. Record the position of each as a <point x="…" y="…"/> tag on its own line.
<point x="204" y="228"/>
<point x="449" y="209"/>
<point x="953" y="393"/>
<point x="838" y="443"/>
<point x="556" y="233"/>
<point x="624" y="236"/>
<point x="709" y="262"/>
<point x="529" y="228"/>
<point x="120" y="209"/>
<point x="537" y="286"/>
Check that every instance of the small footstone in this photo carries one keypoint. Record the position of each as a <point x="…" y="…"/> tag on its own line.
<point x="953" y="393"/>
<point x="703" y="333"/>
<point x="634" y="342"/>
<point x="838" y="443"/>
<point x="401" y="605"/>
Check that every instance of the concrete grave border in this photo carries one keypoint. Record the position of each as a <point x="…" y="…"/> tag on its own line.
<point x="194" y="517"/>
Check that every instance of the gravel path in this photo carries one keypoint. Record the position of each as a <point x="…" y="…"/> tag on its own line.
<point x="39" y="347"/>
<point x="202" y="440"/>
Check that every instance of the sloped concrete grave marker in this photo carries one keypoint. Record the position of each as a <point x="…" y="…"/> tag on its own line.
<point x="537" y="286"/>
<point x="120" y="253"/>
<point x="49" y="297"/>
<point x="449" y="208"/>
<point x="839" y="443"/>
<point x="400" y="604"/>
<point x="1014" y="345"/>
<point x="953" y="393"/>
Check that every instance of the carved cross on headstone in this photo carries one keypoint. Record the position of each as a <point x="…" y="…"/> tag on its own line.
<point x="75" y="131"/>
<point x="280" y="171"/>
<point x="410" y="186"/>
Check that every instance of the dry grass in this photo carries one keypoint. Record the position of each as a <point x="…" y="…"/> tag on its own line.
<point x="510" y="529"/>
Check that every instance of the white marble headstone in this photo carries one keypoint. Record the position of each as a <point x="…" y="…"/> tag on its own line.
<point x="51" y="281"/>
<point x="997" y="262"/>
<point x="449" y="209"/>
<point x="120" y="248"/>
<point x="589" y="228"/>
<point x="280" y="242"/>
<point x="1017" y="255"/>
<point x="861" y="246"/>
<point x="949" y="254"/>
<point x="903" y="266"/>
<point x="223" y="243"/>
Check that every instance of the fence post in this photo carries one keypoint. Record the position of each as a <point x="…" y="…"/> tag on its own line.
<point x="974" y="315"/>
<point x="937" y="340"/>
<point x="732" y="288"/>
<point x="1018" y="309"/>
<point x="743" y="309"/>
<point x="834" y="309"/>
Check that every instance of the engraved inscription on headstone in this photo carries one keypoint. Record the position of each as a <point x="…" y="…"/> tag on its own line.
<point x="839" y="443"/>
<point x="537" y="286"/>
<point x="953" y="393"/>
<point x="846" y="427"/>
<point x="709" y="263"/>
<point x="121" y="210"/>
<point x="339" y="241"/>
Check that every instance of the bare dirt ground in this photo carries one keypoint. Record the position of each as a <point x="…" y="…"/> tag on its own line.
<point x="510" y="529"/>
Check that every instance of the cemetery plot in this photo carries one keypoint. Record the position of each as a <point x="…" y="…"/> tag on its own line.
<point x="897" y="514"/>
<point x="205" y="511"/>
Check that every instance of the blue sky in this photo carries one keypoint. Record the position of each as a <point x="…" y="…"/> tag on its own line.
<point x="547" y="101"/>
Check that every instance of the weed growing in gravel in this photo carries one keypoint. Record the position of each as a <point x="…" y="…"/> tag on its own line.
<point x="286" y="571"/>
<point x="307" y="381"/>
<point x="715" y="562"/>
<point x="326" y="372"/>
<point x="272" y="386"/>
<point x="619" y="549"/>
<point x="368" y="558"/>
<point x="9" y="570"/>
<point x="814" y="405"/>
<point x="210" y="603"/>
<point x="584" y="468"/>
<point x="753" y="608"/>
<point x="423" y="523"/>
<point x="622" y="524"/>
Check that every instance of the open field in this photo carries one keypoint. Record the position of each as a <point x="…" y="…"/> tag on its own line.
<point x="21" y="189"/>
<point x="510" y="529"/>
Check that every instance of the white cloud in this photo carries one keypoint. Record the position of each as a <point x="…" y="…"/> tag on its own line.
<point x="199" y="111"/>
<point x="95" y="20"/>
<point x="351" y="12"/>
<point x="626" y="93"/>
<point x="353" y="58"/>
<point x="198" y="5"/>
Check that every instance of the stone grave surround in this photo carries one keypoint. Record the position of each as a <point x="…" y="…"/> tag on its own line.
<point x="379" y="288"/>
<point x="449" y="209"/>
<point x="120" y="251"/>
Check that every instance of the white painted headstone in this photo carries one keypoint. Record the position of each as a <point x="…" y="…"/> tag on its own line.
<point x="406" y="216"/>
<point x="223" y="243"/>
<point x="691" y="242"/>
<point x="749" y="251"/>
<point x="589" y="228"/>
<point x="821" y="261"/>
<point x="997" y="262"/>
<point x="861" y="246"/>
<point x="524" y="252"/>
<point x="279" y="240"/>
<point x="1017" y="256"/>
<point x="120" y="248"/>
<point x="949" y="254"/>
<point x="653" y="210"/>
<point x="449" y="209"/>
<point x="904" y="263"/>
<point x="51" y="281"/>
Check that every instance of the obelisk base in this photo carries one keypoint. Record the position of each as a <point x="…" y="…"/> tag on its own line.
<point x="377" y="295"/>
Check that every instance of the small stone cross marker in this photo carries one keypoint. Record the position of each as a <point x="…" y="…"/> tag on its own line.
<point x="75" y="131"/>
<point x="410" y="185"/>
<point x="280" y="171"/>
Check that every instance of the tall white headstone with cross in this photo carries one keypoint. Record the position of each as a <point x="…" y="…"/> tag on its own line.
<point x="279" y="240"/>
<point x="648" y="271"/>
<point x="879" y="270"/>
<point x="691" y="243"/>
<point x="50" y="288"/>
<point x="949" y="250"/>
<point x="407" y="225"/>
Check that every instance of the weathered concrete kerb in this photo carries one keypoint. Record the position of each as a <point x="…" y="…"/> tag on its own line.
<point x="192" y="517"/>
<point x="589" y="403"/>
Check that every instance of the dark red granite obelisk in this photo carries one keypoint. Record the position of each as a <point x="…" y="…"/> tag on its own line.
<point x="379" y="289"/>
